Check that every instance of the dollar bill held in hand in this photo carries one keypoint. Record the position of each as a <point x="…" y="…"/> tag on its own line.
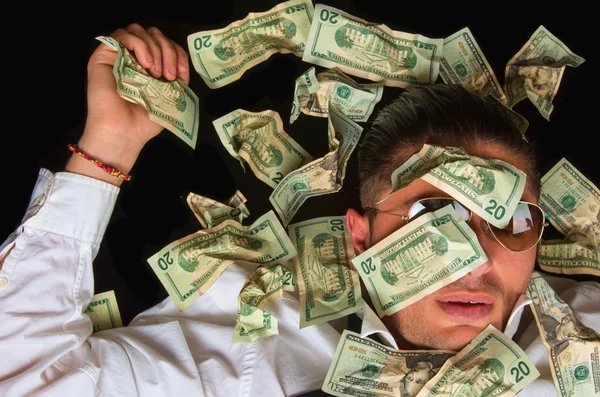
<point x="463" y="63"/>
<point x="171" y="104"/>
<point x="536" y="70"/>
<point x="491" y="365"/>
<point x="210" y="213"/>
<point x="104" y="312"/>
<point x="266" y="284"/>
<point x="259" y="140"/>
<point x="571" y="200"/>
<point x="222" y="56"/>
<point x="189" y="266"/>
<point x="313" y="93"/>
<point x="418" y="259"/>
<point x="328" y="285"/>
<point x="324" y="175"/>
<point x="573" y="348"/>
<point x="363" y="367"/>
<point x="489" y="187"/>
<point x="375" y="52"/>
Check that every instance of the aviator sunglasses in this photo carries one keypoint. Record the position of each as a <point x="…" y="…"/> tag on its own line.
<point x="523" y="232"/>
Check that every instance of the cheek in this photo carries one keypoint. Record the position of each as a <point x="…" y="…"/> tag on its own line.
<point x="383" y="226"/>
<point x="515" y="270"/>
<point x="414" y="321"/>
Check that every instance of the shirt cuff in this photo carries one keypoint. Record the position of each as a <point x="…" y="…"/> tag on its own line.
<point x="72" y="205"/>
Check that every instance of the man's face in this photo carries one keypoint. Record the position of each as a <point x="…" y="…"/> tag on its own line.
<point x="420" y="373"/>
<point x="567" y="328"/>
<point x="435" y="321"/>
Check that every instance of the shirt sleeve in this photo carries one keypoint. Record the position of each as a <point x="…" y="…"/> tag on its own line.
<point x="46" y="281"/>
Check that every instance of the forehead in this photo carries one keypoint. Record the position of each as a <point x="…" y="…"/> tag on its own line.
<point x="420" y="189"/>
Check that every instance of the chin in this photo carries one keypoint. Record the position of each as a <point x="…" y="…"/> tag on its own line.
<point x="427" y="326"/>
<point x="457" y="337"/>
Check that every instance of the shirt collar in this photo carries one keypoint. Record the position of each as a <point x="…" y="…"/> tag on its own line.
<point x="515" y="317"/>
<point x="372" y="324"/>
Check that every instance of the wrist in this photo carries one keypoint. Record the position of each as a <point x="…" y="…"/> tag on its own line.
<point x="120" y="155"/>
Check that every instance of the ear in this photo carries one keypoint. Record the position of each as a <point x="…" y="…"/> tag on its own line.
<point x="358" y="225"/>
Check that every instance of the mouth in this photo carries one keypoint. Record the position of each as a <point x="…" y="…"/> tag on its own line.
<point x="467" y="306"/>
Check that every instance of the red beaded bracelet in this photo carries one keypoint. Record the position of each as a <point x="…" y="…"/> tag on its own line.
<point x="106" y="168"/>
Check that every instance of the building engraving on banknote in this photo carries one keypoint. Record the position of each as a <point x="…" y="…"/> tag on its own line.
<point x="338" y="39"/>
<point x="329" y="287"/>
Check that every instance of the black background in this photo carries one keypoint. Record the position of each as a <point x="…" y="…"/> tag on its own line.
<point x="46" y="52"/>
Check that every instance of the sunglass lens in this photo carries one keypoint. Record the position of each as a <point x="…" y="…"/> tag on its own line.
<point x="523" y="230"/>
<point x="429" y="205"/>
<point x="464" y="213"/>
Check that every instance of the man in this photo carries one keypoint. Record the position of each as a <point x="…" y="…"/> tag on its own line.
<point x="398" y="132"/>
<point x="46" y="279"/>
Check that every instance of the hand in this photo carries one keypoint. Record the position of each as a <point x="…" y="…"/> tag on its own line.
<point x="116" y="130"/>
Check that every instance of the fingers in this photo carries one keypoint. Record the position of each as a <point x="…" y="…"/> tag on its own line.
<point x="183" y="66"/>
<point x="155" y="52"/>
<point x="168" y="51"/>
<point x="146" y="51"/>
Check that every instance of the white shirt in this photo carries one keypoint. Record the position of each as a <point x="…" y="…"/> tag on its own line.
<point x="46" y="342"/>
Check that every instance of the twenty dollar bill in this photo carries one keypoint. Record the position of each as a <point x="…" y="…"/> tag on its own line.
<point x="313" y="94"/>
<point x="576" y="254"/>
<point x="222" y="56"/>
<point x="573" y="204"/>
<point x="536" y="70"/>
<point x="427" y="254"/>
<point x="265" y="285"/>
<point x="573" y="348"/>
<point x="571" y="200"/>
<point x="210" y="212"/>
<point x="104" y="312"/>
<point x="171" y="104"/>
<point x="189" y="266"/>
<point x="328" y="286"/>
<point x="259" y="140"/>
<point x="491" y="365"/>
<point x="463" y="63"/>
<point x="363" y="367"/>
<point x="491" y="188"/>
<point x="324" y="175"/>
<point x="357" y="47"/>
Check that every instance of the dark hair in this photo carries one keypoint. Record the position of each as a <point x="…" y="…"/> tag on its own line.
<point x="440" y="114"/>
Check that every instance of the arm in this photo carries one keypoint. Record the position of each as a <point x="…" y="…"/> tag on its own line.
<point x="116" y="130"/>
<point x="46" y="277"/>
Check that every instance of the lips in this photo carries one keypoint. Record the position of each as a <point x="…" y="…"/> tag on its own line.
<point x="467" y="306"/>
<point x="468" y="298"/>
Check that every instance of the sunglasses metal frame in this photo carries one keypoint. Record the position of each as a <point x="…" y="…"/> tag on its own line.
<point x="485" y="226"/>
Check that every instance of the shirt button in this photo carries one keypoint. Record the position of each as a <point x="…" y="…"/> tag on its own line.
<point x="3" y="282"/>
<point x="35" y="206"/>
<point x="41" y="199"/>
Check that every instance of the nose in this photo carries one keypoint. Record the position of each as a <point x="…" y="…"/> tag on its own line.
<point x="487" y="242"/>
